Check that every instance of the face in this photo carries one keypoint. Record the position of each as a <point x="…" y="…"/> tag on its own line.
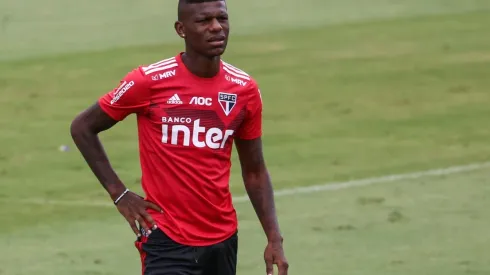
<point x="205" y="27"/>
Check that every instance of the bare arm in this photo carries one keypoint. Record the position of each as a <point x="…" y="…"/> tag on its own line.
<point x="84" y="131"/>
<point x="258" y="185"/>
<point x="259" y="188"/>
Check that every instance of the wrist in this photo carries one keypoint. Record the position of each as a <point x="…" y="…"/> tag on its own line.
<point x="116" y="201"/>
<point x="116" y="190"/>
<point x="275" y="238"/>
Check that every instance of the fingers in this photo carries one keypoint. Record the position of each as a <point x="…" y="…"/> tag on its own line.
<point x="283" y="267"/>
<point x="269" y="266"/>
<point x="154" y="206"/>
<point x="150" y="221"/>
<point x="133" y="226"/>
<point x="134" y="208"/>
<point x="143" y="224"/>
<point x="148" y="217"/>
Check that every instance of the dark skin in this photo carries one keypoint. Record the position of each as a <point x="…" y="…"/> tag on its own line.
<point x="84" y="130"/>
<point x="199" y="25"/>
<point x="205" y="29"/>
<point x="259" y="188"/>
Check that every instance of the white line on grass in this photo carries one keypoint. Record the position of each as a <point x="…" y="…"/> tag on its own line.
<point x="333" y="186"/>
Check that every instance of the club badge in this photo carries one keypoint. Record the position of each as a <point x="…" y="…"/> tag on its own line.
<point x="227" y="101"/>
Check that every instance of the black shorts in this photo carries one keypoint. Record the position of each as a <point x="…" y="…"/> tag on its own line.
<point x="160" y="255"/>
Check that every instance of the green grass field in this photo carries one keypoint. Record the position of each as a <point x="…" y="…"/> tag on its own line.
<point x="351" y="90"/>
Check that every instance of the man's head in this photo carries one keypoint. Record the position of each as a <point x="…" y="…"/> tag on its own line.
<point x="204" y="26"/>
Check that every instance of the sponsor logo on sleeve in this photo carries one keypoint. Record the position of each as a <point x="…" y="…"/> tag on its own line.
<point x="123" y="88"/>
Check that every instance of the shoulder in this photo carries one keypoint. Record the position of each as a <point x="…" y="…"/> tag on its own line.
<point x="238" y="76"/>
<point x="159" y="70"/>
<point x="243" y="83"/>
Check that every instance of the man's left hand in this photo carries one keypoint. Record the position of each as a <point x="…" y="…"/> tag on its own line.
<point x="274" y="255"/>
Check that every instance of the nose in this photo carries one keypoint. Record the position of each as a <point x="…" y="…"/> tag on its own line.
<point x="215" y="25"/>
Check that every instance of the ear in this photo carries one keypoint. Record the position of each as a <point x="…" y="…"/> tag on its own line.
<point x="179" y="28"/>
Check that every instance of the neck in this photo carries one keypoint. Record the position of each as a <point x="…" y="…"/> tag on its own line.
<point x="200" y="65"/>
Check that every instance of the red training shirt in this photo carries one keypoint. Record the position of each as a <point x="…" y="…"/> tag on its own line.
<point x="186" y="126"/>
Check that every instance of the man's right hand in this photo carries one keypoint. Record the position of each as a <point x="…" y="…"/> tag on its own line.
<point x="133" y="208"/>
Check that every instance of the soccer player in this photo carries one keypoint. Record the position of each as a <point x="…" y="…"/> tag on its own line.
<point x="190" y="109"/>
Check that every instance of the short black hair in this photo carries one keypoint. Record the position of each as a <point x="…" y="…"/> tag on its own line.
<point x="196" y="1"/>
<point x="183" y="2"/>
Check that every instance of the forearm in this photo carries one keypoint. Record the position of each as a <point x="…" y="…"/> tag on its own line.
<point x="260" y="192"/>
<point x="90" y="147"/>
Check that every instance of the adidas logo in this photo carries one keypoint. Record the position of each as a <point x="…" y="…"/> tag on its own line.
<point x="175" y="99"/>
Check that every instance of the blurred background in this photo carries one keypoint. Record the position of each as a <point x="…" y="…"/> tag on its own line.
<point x="354" y="91"/>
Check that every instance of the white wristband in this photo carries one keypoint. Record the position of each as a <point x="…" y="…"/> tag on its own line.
<point x="122" y="195"/>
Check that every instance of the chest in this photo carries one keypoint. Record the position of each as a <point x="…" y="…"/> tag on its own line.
<point x="207" y="110"/>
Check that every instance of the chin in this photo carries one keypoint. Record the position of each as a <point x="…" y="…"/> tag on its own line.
<point x="216" y="52"/>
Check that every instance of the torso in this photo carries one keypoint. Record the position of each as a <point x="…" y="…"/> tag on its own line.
<point x="186" y="137"/>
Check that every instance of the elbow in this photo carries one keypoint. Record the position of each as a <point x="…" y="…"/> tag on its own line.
<point x="78" y="128"/>
<point x="76" y="133"/>
<point x="75" y="128"/>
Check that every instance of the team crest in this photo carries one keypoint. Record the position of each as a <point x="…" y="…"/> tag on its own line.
<point x="227" y="101"/>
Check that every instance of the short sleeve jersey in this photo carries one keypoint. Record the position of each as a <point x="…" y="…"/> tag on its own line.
<point x="186" y="128"/>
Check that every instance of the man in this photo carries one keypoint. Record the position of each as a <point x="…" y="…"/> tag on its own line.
<point x="190" y="109"/>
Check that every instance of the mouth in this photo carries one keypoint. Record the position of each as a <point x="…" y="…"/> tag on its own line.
<point x="217" y="40"/>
